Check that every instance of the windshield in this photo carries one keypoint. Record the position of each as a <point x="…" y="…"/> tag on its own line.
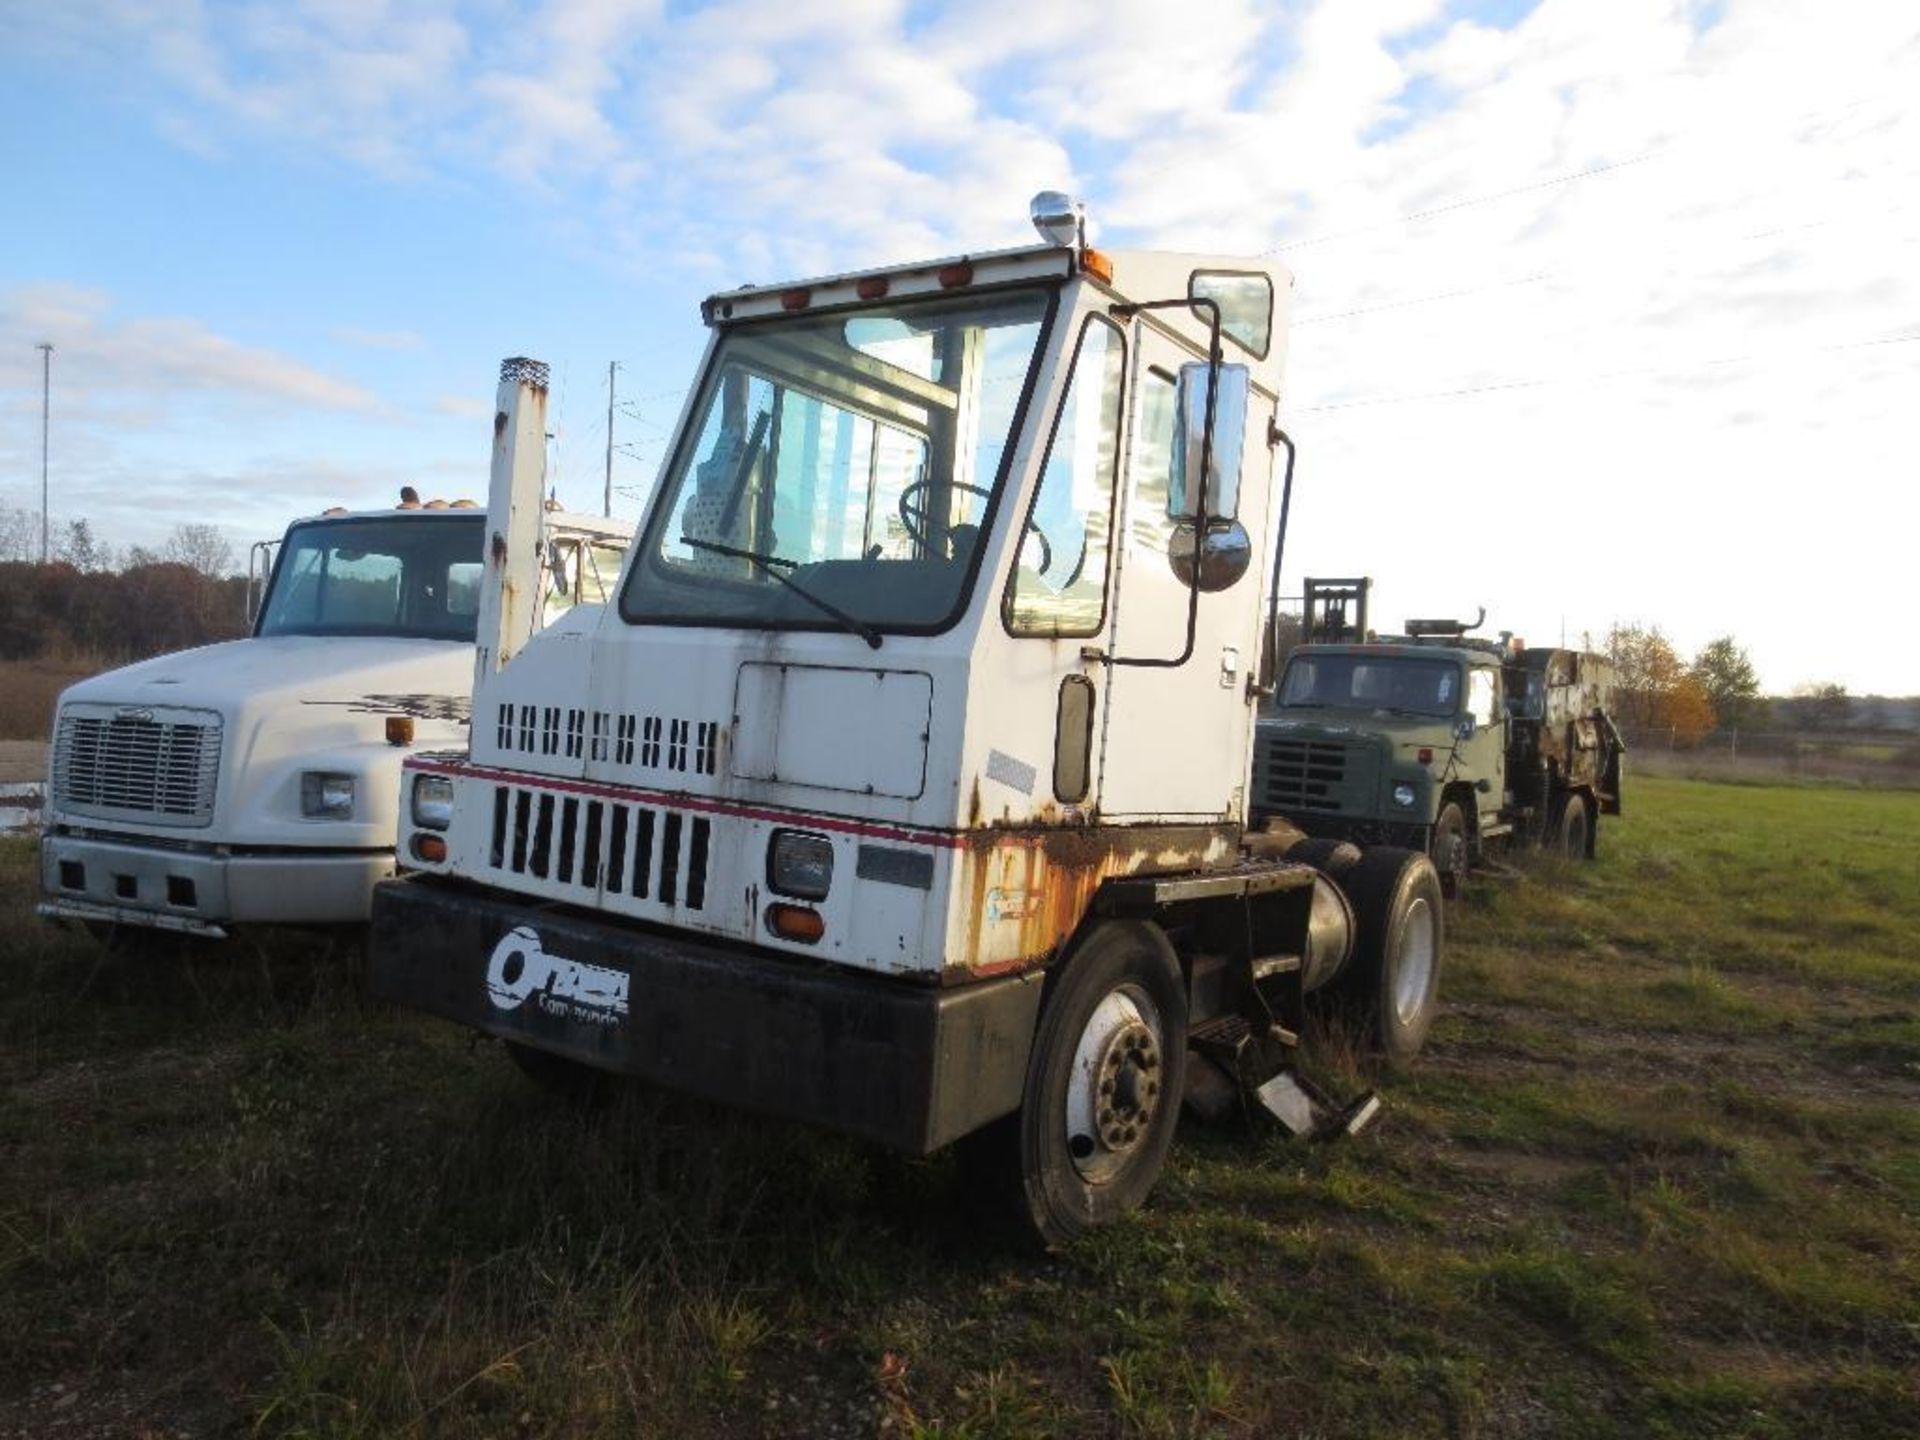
<point x="1404" y="686"/>
<point x="413" y="576"/>
<point x="840" y="470"/>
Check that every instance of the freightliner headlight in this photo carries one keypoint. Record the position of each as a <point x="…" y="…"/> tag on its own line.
<point x="1403" y="795"/>
<point x="432" y="802"/>
<point x="325" y="795"/>
<point x="800" y="865"/>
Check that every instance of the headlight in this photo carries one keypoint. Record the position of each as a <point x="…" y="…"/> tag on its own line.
<point x="432" y="802"/>
<point x="800" y="865"/>
<point x="1403" y="795"/>
<point x="325" y="795"/>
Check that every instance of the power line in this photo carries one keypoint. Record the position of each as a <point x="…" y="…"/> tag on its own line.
<point x="1493" y="197"/>
<point x="1540" y="381"/>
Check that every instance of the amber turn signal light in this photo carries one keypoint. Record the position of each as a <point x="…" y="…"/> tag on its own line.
<point x="399" y="729"/>
<point x="796" y="922"/>
<point x="430" y="848"/>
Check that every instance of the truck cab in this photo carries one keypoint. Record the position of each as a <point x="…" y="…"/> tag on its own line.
<point x="253" y="782"/>
<point x="903" y="789"/>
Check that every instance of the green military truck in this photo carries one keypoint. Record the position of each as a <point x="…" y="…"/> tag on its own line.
<point x="1437" y="740"/>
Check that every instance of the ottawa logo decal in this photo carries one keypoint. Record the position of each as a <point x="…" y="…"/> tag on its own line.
<point x="520" y="970"/>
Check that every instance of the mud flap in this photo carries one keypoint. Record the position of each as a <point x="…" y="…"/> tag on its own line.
<point x="1306" y="1110"/>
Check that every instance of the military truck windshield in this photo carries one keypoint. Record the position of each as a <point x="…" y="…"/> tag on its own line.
<point x="1399" y="685"/>
<point x="417" y="576"/>
<point x="841" y="469"/>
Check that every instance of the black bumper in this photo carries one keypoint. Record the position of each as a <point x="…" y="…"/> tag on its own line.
<point x="1408" y="834"/>
<point x="907" y="1065"/>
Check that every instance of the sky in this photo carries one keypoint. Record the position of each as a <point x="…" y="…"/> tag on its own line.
<point x="1604" y="313"/>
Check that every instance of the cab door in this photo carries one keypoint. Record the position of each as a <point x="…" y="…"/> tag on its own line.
<point x="1487" y="748"/>
<point x="1176" y="736"/>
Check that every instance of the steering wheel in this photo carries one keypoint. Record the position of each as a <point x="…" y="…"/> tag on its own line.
<point x="919" y="523"/>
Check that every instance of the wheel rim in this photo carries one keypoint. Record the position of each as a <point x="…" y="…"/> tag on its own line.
<point x="1413" y="967"/>
<point x="1114" y="1088"/>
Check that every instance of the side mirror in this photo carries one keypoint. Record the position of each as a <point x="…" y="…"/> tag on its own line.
<point x="1464" y="727"/>
<point x="1190" y="441"/>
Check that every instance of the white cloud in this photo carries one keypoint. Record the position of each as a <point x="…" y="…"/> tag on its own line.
<point x="379" y="339"/>
<point x="155" y="359"/>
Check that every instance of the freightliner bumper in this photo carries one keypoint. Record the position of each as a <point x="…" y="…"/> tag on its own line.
<point x="911" y="1066"/>
<point x="199" y="893"/>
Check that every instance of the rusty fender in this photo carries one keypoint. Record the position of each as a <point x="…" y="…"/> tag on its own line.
<point x="1026" y="888"/>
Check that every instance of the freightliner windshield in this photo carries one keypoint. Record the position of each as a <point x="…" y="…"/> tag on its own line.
<point x="1393" y="684"/>
<point x="841" y="469"/>
<point x="410" y="576"/>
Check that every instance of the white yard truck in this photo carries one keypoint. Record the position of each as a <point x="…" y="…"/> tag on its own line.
<point x="903" y="790"/>
<point x="253" y="782"/>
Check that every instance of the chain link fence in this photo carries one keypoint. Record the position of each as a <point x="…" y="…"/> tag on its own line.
<point x="1885" y="759"/>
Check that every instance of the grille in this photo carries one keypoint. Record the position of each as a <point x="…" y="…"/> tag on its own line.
<point x="642" y="851"/>
<point x="648" y="742"/>
<point x="1301" y="775"/>
<point x="160" y="767"/>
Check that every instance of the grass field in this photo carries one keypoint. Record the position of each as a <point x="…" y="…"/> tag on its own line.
<point x="1658" y="1174"/>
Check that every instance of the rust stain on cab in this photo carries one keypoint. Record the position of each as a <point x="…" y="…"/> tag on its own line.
<point x="1029" y="887"/>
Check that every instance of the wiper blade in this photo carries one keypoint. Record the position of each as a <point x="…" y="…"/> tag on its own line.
<point x="772" y="565"/>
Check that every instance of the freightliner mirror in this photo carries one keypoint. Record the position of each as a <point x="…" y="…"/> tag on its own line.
<point x="1216" y="544"/>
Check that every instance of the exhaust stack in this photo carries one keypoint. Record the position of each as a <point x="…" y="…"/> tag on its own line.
<point x="510" y="592"/>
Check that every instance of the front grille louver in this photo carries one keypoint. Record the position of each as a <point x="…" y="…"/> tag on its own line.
<point x="160" y="767"/>
<point x="647" y="742"/>
<point x="644" y="852"/>
<point x="1300" y="775"/>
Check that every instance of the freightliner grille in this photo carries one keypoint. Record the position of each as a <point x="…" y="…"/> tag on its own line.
<point x="642" y="851"/>
<point x="1295" y="776"/>
<point x="133" y="763"/>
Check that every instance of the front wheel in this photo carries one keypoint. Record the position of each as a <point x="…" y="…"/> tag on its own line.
<point x="1393" y="977"/>
<point x="1103" y="1083"/>
<point x="1449" y="847"/>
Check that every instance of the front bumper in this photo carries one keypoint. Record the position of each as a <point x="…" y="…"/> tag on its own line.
<point x="910" y="1066"/>
<point x="1410" y="834"/>
<point x="200" y="893"/>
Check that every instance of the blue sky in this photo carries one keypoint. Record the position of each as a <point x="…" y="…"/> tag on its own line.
<point x="1633" y="279"/>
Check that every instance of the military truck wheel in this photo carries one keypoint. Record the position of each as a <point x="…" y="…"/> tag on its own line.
<point x="1449" y="848"/>
<point x="565" y="1079"/>
<point x="1393" y="978"/>
<point x="1104" y="1082"/>
<point x="1574" y="830"/>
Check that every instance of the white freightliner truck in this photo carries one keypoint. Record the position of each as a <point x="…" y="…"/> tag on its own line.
<point x="903" y="789"/>
<point x="253" y="782"/>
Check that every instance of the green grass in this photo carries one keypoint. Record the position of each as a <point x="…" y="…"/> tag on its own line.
<point x="1658" y="1174"/>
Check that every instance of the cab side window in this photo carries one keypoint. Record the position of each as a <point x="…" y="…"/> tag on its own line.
<point x="1059" y="583"/>
<point x="1482" y="696"/>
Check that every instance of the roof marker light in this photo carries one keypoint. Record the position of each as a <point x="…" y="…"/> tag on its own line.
<point x="1098" y="264"/>
<point x="797" y="299"/>
<point x="874" y="287"/>
<point x="952" y="277"/>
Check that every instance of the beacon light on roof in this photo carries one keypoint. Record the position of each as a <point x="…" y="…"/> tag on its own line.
<point x="1060" y="219"/>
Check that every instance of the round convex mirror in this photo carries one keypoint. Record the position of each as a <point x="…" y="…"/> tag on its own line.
<point x="1225" y="552"/>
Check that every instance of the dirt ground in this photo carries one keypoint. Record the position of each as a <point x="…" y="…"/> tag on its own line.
<point x="22" y="760"/>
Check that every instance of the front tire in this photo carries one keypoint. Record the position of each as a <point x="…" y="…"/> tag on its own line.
<point x="1104" y="1082"/>
<point x="1394" y="983"/>
<point x="1449" y="848"/>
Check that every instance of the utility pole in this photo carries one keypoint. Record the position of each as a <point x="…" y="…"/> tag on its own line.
<point x="612" y="365"/>
<point x="45" y="347"/>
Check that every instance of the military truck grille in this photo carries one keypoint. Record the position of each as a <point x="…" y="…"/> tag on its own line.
<point x="1298" y="776"/>
<point x="641" y="851"/>
<point x="157" y="767"/>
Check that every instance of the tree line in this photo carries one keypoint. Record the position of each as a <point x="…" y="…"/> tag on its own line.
<point x="1717" y="690"/>
<point x="92" y="601"/>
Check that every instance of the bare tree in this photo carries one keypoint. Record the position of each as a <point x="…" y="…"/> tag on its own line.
<point x="19" y="533"/>
<point x="79" y="549"/>
<point x="201" y="548"/>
